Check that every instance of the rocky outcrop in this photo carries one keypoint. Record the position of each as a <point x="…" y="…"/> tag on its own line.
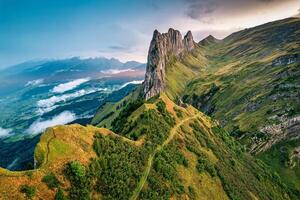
<point x="287" y="130"/>
<point x="162" y="48"/>
<point x="286" y="60"/>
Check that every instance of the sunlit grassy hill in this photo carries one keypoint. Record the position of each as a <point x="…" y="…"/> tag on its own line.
<point x="162" y="151"/>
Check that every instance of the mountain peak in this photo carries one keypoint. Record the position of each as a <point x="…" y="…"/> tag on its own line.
<point x="208" y="40"/>
<point x="162" y="48"/>
<point x="189" y="41"/>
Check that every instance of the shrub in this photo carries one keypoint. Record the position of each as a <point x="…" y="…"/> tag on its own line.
<point x="178" y="112"/>
<point x="192" y="192"/>
<point x="60" y="195"/>
<point x="80" y="182"/>
<point x="51" y="181"/>
<point x="121" y="120"/>
<point x="205" y="165"/>
<point x="161" y="107"/>
<point x="28" y="190"/>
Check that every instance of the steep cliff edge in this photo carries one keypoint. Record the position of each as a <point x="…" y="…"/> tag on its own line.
<point x="163" y="48"/>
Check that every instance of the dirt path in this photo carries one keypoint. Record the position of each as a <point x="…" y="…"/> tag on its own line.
<point x="48" y="146"/>
<point x="145" y="175"/>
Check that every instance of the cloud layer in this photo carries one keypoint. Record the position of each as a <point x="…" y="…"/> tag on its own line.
<point x="61" y="88"/>
<point x="46" y="105"/>
<point x="116" y="71"/>
<point x="136" y="82"/>
<point x="4" y="132"/>
<point x="40" y="125"/>
<point x="34" y="82"/>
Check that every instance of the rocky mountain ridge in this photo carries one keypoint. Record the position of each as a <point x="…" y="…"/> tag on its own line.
<point x="162" y="48"/>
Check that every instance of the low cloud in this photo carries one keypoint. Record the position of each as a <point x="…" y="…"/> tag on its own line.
<point x="47" y="105"/>
<point x="61" y="88"/>
<point x="116" y="71"/>
<point x="34" y="82"/>
<point x="4" y="132"/>
<point x="41" y="125"/>
<point x="132" y="82"/>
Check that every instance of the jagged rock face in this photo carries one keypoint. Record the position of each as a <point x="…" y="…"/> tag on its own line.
<point x="162" y="47"/>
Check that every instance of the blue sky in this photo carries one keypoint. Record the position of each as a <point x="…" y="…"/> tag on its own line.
<point x="37" y="29"/>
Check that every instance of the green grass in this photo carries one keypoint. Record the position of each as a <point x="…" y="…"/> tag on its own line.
<point x="278" y="158"/>
<point x="240" y="66"/>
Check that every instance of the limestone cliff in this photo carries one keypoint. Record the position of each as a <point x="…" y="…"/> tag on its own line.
<point x="162" y="48"/>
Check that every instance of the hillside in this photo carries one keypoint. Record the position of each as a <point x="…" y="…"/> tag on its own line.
<point x="251" y="86"/>
<point x="249" y="82"/>
<point x="162" y="151"/>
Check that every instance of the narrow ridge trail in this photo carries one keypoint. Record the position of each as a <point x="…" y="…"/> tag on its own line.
<point x="48" y="147"/>
<point x="145" y="175"/>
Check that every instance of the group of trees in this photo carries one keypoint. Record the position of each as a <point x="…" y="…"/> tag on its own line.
<point x="117" y="168"/>
<point x="80" y="180"/>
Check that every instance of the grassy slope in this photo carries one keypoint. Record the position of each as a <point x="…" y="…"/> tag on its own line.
<point x="109" y="111"/>
<point x="241" y="67"/>
<point x="279" y="157"/>
<point x="180" y="71"/>
<point x="242" y="89"/>
<point x="57" y="146"/>
<point x="191" y="158"/>
<point x="175" y="160"/>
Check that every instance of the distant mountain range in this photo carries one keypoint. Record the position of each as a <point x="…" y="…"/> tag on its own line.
<point x="49" y="71"/>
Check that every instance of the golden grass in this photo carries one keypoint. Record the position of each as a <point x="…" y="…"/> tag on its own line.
<point x="203" y="184"/>
<point x="106" y="132"/>
<point x="58" y="145"/>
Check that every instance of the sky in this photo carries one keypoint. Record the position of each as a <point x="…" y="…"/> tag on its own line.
<point x="47" y="29"/>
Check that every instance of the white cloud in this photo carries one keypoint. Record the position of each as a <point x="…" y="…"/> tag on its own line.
<point x="40" y="125"/>
<point x="132" y="82"/>
<point x="46" y="105"/>
<point x="34" y="82"/>
<point x="61" y="88"/>
<point x="116" y="71"/>
<point x="4" y="132"/>
<point x="42" y="110"/>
